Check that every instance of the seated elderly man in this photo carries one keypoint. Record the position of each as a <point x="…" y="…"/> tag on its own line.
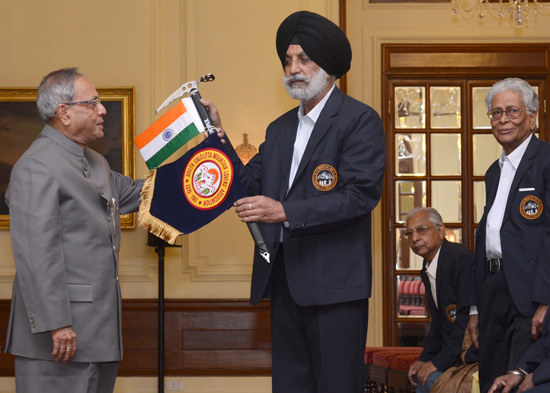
<point x="447" y="275"/>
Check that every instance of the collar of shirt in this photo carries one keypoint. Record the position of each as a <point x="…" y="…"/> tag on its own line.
<point x="431" y="270"/>
<point x="431" y="267"/>
<point x="62" y="140"/>
<point x="316" y="111"/>
<point x="515" y="156"/>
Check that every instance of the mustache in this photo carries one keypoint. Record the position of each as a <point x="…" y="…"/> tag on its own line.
<point x="297" y="78"/>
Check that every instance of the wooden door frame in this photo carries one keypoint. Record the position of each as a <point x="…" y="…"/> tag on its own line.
<point x="470" y="62"/>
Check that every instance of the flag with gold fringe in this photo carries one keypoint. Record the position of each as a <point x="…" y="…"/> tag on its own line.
<point x="183" y="196"/>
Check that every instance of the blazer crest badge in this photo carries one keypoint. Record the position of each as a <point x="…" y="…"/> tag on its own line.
<point x="531" y="207"/>
<point x="324" y="177"/>
<point x="450" y="311"/>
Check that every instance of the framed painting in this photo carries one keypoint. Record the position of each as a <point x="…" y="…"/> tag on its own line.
<point x="20" y="124"/>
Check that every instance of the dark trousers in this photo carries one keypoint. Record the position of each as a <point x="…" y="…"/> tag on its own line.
<point x="504" y="333"/>
<point x="316" y="349"/>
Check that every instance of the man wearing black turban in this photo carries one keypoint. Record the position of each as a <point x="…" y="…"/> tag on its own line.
<point x="323" y="41"/>
<point x="313" y="185"/>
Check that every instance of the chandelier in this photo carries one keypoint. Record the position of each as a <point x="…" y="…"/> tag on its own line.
<point x="518" y="10"/>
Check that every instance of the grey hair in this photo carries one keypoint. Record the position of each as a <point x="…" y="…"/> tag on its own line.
<point x="530" y="98"/>
<point x="433" y="215"/>
<point x="56" y="88"/>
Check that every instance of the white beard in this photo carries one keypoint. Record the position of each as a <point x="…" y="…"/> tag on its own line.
<point x="313" y="88"/>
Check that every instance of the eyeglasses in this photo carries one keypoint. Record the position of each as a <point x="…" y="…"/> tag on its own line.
<point x="94" y="101"/>
<point x="512" y="113"/>
<point x="419" y="231"/>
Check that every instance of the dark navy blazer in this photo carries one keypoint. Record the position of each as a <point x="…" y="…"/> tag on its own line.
<point x="327" y="243"/>
<point x="454" y="277"/>
<point x="525" y="231"/>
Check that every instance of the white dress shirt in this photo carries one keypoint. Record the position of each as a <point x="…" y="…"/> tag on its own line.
<point x="431" y="270"/>
<point x="508" y="167"/>
<point x="305" y="127"/>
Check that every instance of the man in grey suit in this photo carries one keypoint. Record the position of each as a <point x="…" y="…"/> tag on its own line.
<point x="64" y="204"/>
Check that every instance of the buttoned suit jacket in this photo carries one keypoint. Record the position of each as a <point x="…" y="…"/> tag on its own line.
<point x="65" y="245"/>
<point x="453" y="280"/>
<point x="327" y="239"/>
<point x="525" y="230"/>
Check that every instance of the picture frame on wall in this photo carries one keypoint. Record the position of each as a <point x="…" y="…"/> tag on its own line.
<point x="20" y="124"/>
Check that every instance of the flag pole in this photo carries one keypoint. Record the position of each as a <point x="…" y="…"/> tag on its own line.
<point x="253" y="227"/>
<point x="160" y="246"/>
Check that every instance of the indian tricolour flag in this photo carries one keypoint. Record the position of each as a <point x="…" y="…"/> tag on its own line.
<point x="173" y="130"/>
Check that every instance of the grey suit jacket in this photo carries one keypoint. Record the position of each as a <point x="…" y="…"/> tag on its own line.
<point x="64" y="206"/>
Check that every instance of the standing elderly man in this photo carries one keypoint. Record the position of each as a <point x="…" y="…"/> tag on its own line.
<point x="512" y="268"/>
<point x="313" y="185"/>
<point x="447" y="274"/>
<point x="64" y="204"/>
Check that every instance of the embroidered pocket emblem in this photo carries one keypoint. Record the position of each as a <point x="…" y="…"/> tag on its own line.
<point x="530" y="207"/>
<point x="451" y="312"/>
<point x="324" y="177"/>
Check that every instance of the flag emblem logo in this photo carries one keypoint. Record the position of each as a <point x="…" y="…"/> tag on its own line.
<point x="207" y="178"/>
<point x="167" y="134"/>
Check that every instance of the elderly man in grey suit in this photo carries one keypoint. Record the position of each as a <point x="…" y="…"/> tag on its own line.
<point x="64" y="204"/>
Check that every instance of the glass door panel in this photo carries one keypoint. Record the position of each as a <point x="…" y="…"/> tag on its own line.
<point x="445" y="107"/>
<point x="447" y="199"/>
<point x="410" y="104"/>
<point x="411" y="334"/>
<point x="446" y="154"/>
<point x="410" y="154"/>
<point x="479" y="109"/>
<point x="411" y="296"/>
<point x="485" y="150"/>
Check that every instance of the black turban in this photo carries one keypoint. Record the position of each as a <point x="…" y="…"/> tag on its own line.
<point x="323" y="41"/>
